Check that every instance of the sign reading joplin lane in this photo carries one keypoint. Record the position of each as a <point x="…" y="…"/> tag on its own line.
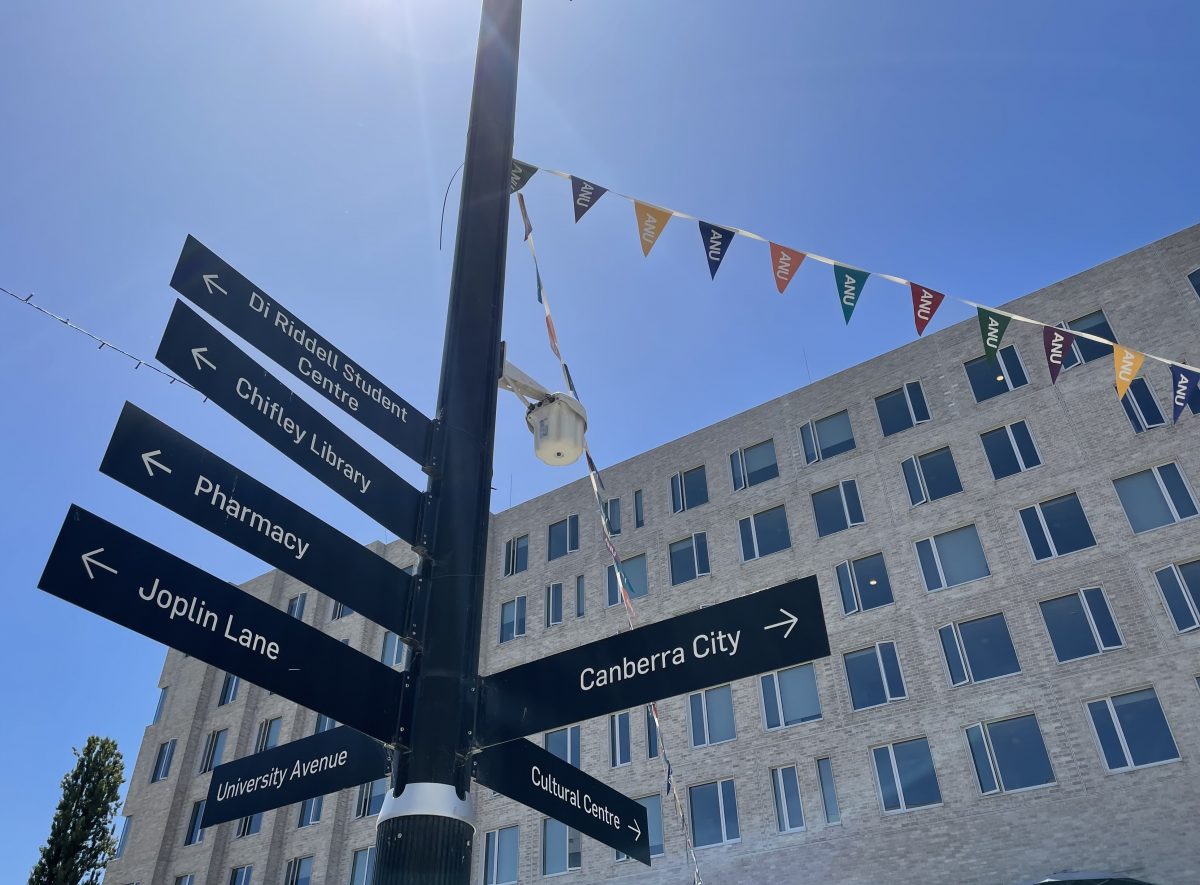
<point x="752" y="634"/>
<point x="165" y="466"/>
<point x="112" y="573"/>
<point x="205" y="279"/>
<point x="211" y="363"/>
<point x="312" y="766"/>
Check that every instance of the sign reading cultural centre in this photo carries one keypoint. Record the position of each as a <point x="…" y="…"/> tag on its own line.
<point x="752" y="634"/>
<point x="216" y="287"/>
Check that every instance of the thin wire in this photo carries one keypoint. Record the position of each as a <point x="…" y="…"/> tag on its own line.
<point x="445" y="199"/>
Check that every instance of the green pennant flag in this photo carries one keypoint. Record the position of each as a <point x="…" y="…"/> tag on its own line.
<point x="991" y="327"/>
<point x="520" y="174"/>
<point x="850" y="282"/>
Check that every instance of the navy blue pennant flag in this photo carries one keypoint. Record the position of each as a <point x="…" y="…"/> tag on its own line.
<point x="584" y="195"/>
<point x="716" y="243"/>
<point x="1184" y="387"/>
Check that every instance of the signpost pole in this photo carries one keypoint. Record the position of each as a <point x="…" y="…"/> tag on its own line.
<point x="425" y="833"/>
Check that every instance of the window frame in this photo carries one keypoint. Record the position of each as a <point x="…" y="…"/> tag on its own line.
<point x="1190" y="599"/>
<point x="997" y="775"/>
<point x="1112" y="713"/>
<point x="961" y="645"/>
<point x="262" y="737"/>
<point x="887" y="691"/>
<point x="1078" y="354"/>
<point x="495" y="856"/>
<point x="311" y="808"/>
<point x="214" y="750"/>
<point x="297" y="603"/>
<point x="291" y="874"/>
<point x="703" y="695"/>
<point x="774" y="676"/>
<point x="365" y="797"/>
<point x="567" y="832"/>
<point x="572" y="529"/>
<point x="695" y="558"/>
<point x="512" y="555"/>
<point x="1002" y="361"/>
<point x="639" y="509"/>
<point x="162" y="766"/>
<point x="1089" y="618"/>
<point x="938" y="558"/>
<point x="678" y="487"/>
<point x="854" y="584"/>
<point x="580" y="596"/>
<point x="742" y="474"/>
<point x="161" y="704"/>
<point x="548" y="612"/>
<point x="821" y="787"/>
<point x="193" y="833"/>
<point x="912" y="414"/>
<point x="614" y="738"/>
<point x="725" y="840"/>
<point x="229" y="689"/>
<point x="891" y="748"/>
<point x="814" y="433"/>
<point x="919" y="470"/>
<point x="1133" y="407"/>
<point x="520" y="606"/>
<point x="1162" y="489"/>
<point x="250" y="825"/>
<point x="609" y="506"/>
<point x="613" y="598"/>
<point x="778" y="795"/>
<point x="1016" y="449"/>
<point x="1037" y="508"/>
<point x="368" y="864"/>
<point x="752" y="519"/>
<point x="841" y="488"/>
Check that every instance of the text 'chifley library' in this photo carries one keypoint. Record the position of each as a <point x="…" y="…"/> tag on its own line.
<point x="1010" y="573"/>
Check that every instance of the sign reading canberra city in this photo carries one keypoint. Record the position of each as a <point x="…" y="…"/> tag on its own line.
<point x="216" y="287"/>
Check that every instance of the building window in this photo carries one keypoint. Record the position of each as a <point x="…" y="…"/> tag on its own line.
<point x="362" y="866"/>
<point x="1132" y="730"/>
<point x="789" y="812"/>
<point x="563" y="537"/>
<point x="123" y="837"/>
<point x="619" y="752"/>
<point x="829" y="800"/>
<point x="554" y="604"/>
<point x="753" y="465"/>
<point x="340" y="610"/>
<point x="194" y="834"/>
<point x="612" y="513"/>
<point x="162" y="762"/>
<point x="1010" y="450"/>
<point x="764" y="533"/>
<point x="978" y="650"/>
<point x="874" y="676"/>
<point x="902" y="409"/>
<point x="370" y="796"/>
<point x="310" y="811"/>
<point x="931" y="476"/>
<point x="1141" y="408"/>
<point x="1009" y="754"/>
<point x="1056" y="527"/>
<point x="240" y="875"/>
<point x="160" y="706"/>
<point x="714" y="813"/>
<point x="295" y="606"/>
<point x="214" y="750"/>
<point x="1080" y="624"/>
<point x="654" y="834"/>
<point x="990" y="378"/>
<point x="268" y="734"/>
<point x="837" y="508"/>
<point x="906" y="776"/>
<point x="1084" y="350"/>
<point x="827" y="437"/>
<point x="1194" y="279"/>
<point x="516" y="555"/>
<point x="229" y="690"/>
<point x="634" y="570"/>
<point x="580" y="597"/>
<point x="651" y="735"/>
<point x="512" y="619"/>
<point x="790" y="696"/>
<point x="711" y="714"/>
<point x="639" y="510"/>
<point x="299" y="871"/>
<point x="500" y="856"/>
<point x="864" y="583"/>
<point x="689" y="558"/>
<point x="562" y="848"/>
<point x="324" y="723"/>
<point x="564" y="743"/>
<point x="952" y="558"/>
<point x="689" y="489"/>
<point x="1155" y="497"/>
<point x="1180" y="586"/>
<point x="189" y="879"/>
<point x="249" y="825"/>
<point x="395" y="652"/>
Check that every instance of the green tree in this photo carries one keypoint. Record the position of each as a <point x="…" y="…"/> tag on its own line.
<point x="81" y="838"/>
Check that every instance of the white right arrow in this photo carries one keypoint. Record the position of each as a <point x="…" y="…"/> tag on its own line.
<point x="791" y="622"/>
<point x="88" y="562"/>
<point x="637" y="831"/>
<point x="199" y="357"/>
<point x="148" y="460"/>
<point x="210" y="282"/>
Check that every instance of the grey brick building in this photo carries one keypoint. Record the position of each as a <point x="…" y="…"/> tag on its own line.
<point x="1014" y="685"/>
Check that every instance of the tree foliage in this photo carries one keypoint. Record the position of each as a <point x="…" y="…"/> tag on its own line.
<point x="81" y="834"/>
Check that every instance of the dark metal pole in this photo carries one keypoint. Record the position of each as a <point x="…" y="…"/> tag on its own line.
<point x="425" y="833"/>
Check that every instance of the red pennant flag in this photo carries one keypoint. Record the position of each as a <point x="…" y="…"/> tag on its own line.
<point x="783" y="265"/>
<point x="925" y="305"/>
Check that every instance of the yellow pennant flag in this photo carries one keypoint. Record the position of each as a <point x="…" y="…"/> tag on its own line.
<point x="1126" y="363"/>
<point x="651" y="221"/>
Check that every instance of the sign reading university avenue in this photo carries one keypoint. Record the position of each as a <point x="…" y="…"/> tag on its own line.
<point x="312" y="766"/>
<point x="112" y="573"/>
<point x="165" y="466"/>
<point x="752" y="634"/>
<point x="523" y="771"/>
<point x="202" y="277"/>
<point x="211" y="363"/>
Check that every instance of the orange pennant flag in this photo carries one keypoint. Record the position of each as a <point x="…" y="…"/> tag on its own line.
<point x="783" y="265"/>
<point x="1126" y="363"/>
<point x="651" y="221"/>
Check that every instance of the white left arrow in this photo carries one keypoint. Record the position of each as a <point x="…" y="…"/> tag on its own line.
<point x="210" y="282"/>
<point x="88" y="562"/>
<point x="148" y="460"/>
<point x="199" y="357"/>
<point x="636" y="830"/>
<point x="791" y="622"/>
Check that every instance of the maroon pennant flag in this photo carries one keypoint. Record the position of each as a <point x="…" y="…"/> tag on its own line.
<point x="1057" y="342"/>
<point x="925" y="305"/>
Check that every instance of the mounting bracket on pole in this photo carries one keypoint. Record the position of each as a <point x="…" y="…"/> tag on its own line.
<point x="556" y="420"/>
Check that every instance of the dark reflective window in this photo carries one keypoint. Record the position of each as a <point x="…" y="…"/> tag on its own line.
<point x="864" y="583"/>
<point x="990" y="378"/>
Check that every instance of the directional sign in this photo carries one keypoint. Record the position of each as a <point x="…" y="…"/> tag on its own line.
<point x="312" y="766"/>
<point x="523" y="771"/>
<point x="112" y="573"/>
<point x="742" y="637"/>
<point x="209" y="361"/>
<point x="207" y="281"/>
<point x="167" y="467"/>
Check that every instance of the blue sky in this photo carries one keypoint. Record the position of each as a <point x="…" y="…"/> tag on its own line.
<point x="983" y="149"/>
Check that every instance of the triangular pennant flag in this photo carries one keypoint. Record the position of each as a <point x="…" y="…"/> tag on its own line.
<point x="1057" y="342"/>
<point x="537" y="273"/>
<point x="783" y="265"/>
<point x="651" y="220"/>
<point x="925" y="305"/>
<point x="850" y="282"/>
<point x="553" y="335"/>
<point x="1126" y="364"/>
<point x="584" y="195"/>
<point x="528" y="226"/>
<point x="1184" y="384"/>
<point x="520" y="175"/>
<point x="716" y="242"/>
<point x="992" y="326"/>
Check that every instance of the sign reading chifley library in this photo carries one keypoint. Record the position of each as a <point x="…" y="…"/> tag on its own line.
<point x="210" y="362"/>
<point x="110" y="572"/>
<point x="205" y="279"/>
<point x="312" y="766"/>
<point x="523" y="771"/>
<point x="752" y="634"/>
<point x="165" y="466"/>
